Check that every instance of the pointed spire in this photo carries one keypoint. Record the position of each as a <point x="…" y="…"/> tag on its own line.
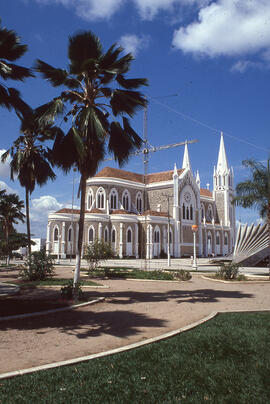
<point x="186" y="161"/>
<point x="222" y="164"/>
<point x="198" y="181"/>
<point x="175" y="173"/>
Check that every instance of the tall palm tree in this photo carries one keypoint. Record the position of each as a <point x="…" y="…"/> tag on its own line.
<point x="10" y="213"/>
<point x="31" y="160"/>
<point x="255" y="192"/>
<point x="11" y="49"/>
<point x="98" y="94"/>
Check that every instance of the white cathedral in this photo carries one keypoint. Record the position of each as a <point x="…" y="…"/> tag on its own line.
<point x="130" y="211"/>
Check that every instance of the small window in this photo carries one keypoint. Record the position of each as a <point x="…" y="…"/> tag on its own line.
<point x="106" y="235"/>
<point x="187" y="211"/>
<point x="113" y="199"/>
<point x="56" y="234"/>
<point x="125" y="200"/>
<point x="225" y="239"/>
<point x="89" y="200"/>
<point x="113" y="236"/>
<point x="156" y="236"/>
<point x="170" y="237"/>
<point x="129" y="236"/>
<point x="217" y="240"/>
<point x="101" y="198"/>
<point x="91" y="235"/>
<point x="191" y="212"/>
<point x="70" y="234"/>
<point x="139" y="203"/>
<point x="184" y="211"/>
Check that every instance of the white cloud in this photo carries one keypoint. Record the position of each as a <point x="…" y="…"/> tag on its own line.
<point x="45" y="204"/>
<point x="133" y="43"/>
<point x="9" y="190"/>
<point x="149" y="9"/>
<point x="104" y="9"/>
<point x="228" y="28"/>
<point x="4" y="167"/>
<point x="242" y="65"/>
<point x="90" y="10"/>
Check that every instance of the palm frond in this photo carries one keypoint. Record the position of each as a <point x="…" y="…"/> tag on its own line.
<point x="14" y="72"/>
<point x="10" y="47"/>
<point x="57" y="77"/>
<point x="130" y="84"/>
<point x="83" y="46"/>
<point x="124" y="101"/>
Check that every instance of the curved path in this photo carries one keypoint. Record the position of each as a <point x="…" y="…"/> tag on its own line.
<point x="132" y="311"/>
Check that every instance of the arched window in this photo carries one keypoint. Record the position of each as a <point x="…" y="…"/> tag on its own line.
<point x="91" y="235"/>
<point x="126" y="200"/>
<point x="187" y="213"/>
<point x="217" y="239"/>
<point x="129" y="236"/>
<point x="225" y="239"/>
<point x="70" y="234"/>
<point x="90" y="199"/>
<point x="56" y="234"/>
<point x="184" y="211"/>
<point x="209" y="213"/>
<point x="113" y="235"/>
<point x="113" y="199"/>
<point x="219" y="179"/>
<point x="106" y="235"/>
<point x="100" y="198"/>
<point x="156" y="236"/>
<point x="139" y="202"/>
<point x="202" y="212"/>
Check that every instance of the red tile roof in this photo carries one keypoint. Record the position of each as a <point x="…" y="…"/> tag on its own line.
<point x="121" y="212"/>
<point x="206" y="192"/>
<point x="77" y="211"/>
<point x="109" y="172"/>
<point x="154" y="213"/>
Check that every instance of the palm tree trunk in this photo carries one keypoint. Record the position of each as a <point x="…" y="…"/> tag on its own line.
<point x="80" y="238"/>
<point x="28" y="221"/>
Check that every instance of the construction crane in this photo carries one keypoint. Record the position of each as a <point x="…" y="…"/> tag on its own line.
<point x="145" y="151"/>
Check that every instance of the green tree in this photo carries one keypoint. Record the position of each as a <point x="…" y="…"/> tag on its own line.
<point x="98" y="94"/>
<point x="255" y="192"/>
<point x="10" y="214"/>
<point x="11" y="49"/>
<point x="97" y="251"/>
<point x="31" y="160"/>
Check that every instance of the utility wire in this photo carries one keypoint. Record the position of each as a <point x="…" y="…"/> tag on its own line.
<point x="207" y="126"/>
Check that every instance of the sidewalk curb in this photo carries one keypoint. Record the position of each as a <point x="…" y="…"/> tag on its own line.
<point x="43" y="313"/>
<point x="247" y="282"/>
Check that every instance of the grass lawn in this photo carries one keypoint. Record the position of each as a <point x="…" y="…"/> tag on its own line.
<point x="226" y="360"/>
<point x="131" y="273"/>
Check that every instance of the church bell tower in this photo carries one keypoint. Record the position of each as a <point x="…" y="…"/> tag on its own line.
<point x="223" y="188"/>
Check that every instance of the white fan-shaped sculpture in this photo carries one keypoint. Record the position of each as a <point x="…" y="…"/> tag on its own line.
<point x="251" y="244"/>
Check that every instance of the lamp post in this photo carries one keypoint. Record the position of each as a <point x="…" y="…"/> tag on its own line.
<point x="194" y="229"/>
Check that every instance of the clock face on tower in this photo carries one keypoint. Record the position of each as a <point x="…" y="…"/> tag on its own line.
<point x="187" y="197"/>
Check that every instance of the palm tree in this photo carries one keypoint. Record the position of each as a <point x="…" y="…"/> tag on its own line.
<point x="31" y="160"/>
<point x="10" y="213"/>
<point x="11" y="49"/>
<point x="99" y="94"/>
<point x="255" y="192"/>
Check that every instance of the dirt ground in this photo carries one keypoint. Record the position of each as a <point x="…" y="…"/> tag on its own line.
<point x="132" y="311"/>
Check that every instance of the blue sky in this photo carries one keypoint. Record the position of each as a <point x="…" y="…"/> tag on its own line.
<point x="215" y="55"/>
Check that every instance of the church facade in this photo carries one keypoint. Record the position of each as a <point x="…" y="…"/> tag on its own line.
<point x="139" y="215"/>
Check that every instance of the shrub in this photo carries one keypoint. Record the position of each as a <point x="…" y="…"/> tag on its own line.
<point x="39" y="267"/>
<point x="68" y="292"/>
<point x="182" y="275"/>
<point x="228" y="271"/>
<point x="97" y="251"/>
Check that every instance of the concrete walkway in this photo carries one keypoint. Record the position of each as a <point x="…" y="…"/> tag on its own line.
<point x="133" y="311"/>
